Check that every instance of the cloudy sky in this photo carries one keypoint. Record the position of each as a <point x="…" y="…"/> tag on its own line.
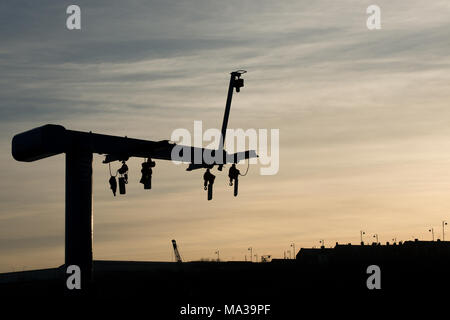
<point x="363" y="119"/>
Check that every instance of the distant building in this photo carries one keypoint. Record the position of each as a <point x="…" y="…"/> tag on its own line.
<point x="376" y="252"/>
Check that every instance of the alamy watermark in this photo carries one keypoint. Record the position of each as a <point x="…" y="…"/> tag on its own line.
<point x="73" y="21"/>
<point x="374" y="280"/>
<point x="236" y="141"/>
<point x="374" y="20"/>
<point x="74" y="280"/>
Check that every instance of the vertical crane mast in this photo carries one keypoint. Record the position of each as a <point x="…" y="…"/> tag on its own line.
<point x="175" y="250"/>
<point x="238" y="83"/>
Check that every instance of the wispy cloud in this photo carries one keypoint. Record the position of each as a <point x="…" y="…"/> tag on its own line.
<point x="362" y="118"/>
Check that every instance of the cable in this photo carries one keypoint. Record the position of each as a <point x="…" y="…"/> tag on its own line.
<point x="246" y="171"/>
<point x="109" y="164"/>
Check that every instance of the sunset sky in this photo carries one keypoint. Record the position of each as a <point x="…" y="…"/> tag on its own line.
<point x="364" y="120"/>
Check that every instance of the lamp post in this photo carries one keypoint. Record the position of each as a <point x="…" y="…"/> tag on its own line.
<point x="251" y="254"/>
<point x="218" y="255"/>
<point x="322" y="242"/>
<point x="376" y="236"/>
<point x="293" y="248"/>
<point x="361" y="233"/>
<point x="444" y="223"/>
<point x="432" y="233"/>
<point x="256" y="258"/>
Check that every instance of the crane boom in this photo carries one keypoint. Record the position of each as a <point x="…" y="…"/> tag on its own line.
<point x="175" y="250"/>
<point x="236" y="82"/>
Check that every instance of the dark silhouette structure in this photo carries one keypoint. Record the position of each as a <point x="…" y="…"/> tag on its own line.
<point x="233" y="174"/>
<point x="325" y="277"/>
<point x="208" y="183"/>
<point x="50" y="140"/>
<point x="390" y="252"/>
<point x="147" y="172"/>
<point x="175" y="250"/>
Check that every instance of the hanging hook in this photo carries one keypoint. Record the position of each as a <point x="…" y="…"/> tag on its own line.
<point x="208" y="178"/>
<point x="112" y="181"/>
<point x="147" y="172"/>
<point x="233" y="174"/>
<point x="123" y="178"/>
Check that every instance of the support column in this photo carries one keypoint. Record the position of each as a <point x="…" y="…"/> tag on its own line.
<point x="79" y="215"/>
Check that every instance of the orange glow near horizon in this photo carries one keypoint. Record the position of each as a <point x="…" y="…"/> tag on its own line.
<point x="363" y="119"/>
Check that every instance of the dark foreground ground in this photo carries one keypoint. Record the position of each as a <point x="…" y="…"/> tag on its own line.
<point x="288" y="286"/>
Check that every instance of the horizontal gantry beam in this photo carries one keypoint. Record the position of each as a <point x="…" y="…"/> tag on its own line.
<point x="50" y="140"/>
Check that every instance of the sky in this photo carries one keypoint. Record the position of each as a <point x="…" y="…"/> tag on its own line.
<point x="362" y="115"/>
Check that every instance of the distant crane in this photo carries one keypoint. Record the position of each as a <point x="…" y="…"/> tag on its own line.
<point x="175" y="250"/>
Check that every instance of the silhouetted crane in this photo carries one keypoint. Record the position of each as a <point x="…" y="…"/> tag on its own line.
<point x="175" y="250"/>
<point x="79" y="147"/>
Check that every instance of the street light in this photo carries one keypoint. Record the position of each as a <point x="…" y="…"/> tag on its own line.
<point x="251" y="254"/>
<point x="293" y="247"/>
<point x="394" y="240"/>
<point x="322" y="242"/>
<point x="376" y="237"/>
<point x="256" y="258"/>
<point x="444" y="223"/>
<point x="218" y="255"/>
<point x="361" y="234"/>
<point x="432" y="232"/>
